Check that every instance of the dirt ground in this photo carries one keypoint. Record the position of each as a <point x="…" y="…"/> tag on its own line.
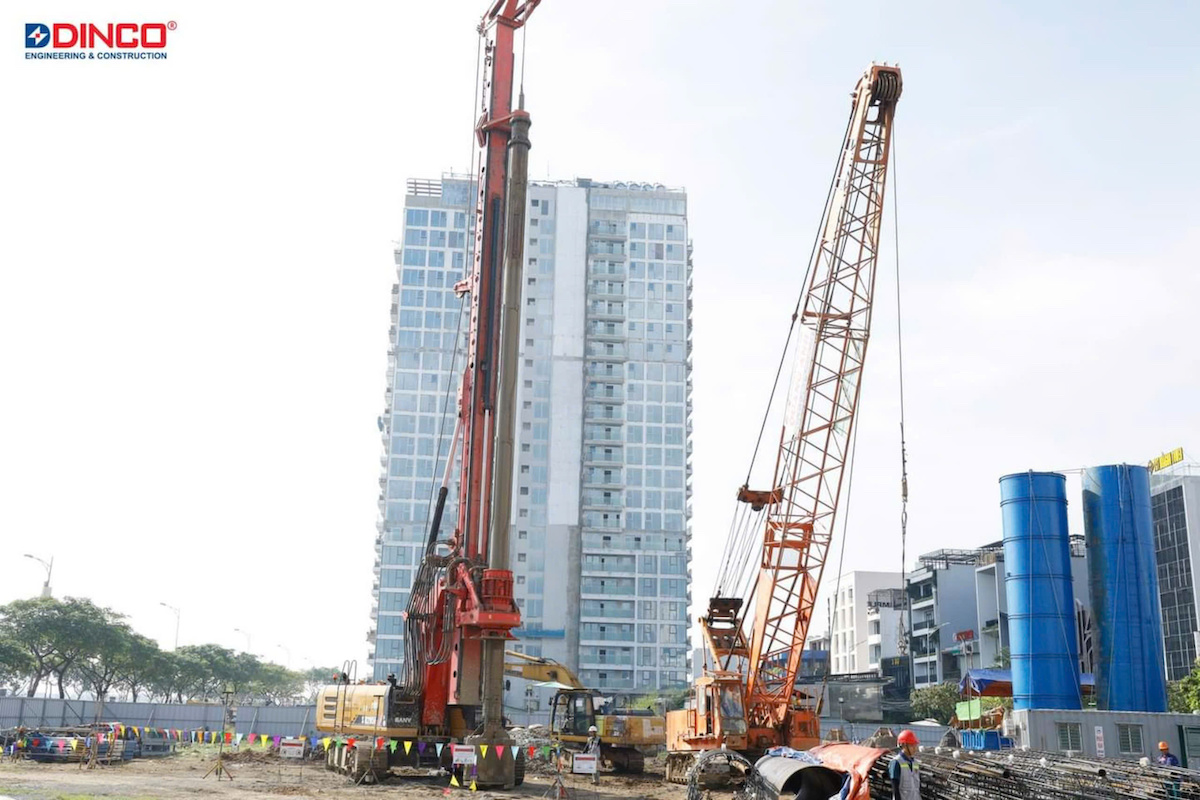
<point x="182" y="775"/>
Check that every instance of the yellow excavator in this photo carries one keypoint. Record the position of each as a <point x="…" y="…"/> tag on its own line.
<point x="623" y="733"/>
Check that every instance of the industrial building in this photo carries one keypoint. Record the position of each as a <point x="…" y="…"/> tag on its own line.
<point x="603" y="414"/>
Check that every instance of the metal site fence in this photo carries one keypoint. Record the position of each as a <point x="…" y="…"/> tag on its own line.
<point x="46" y="712"/>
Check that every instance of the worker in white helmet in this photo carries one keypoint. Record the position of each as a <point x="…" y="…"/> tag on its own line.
<point x="593" y="748"/>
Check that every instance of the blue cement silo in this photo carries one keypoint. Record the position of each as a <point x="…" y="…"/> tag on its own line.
<point x="1041" y="602"/>
<point x="1123" y="581"/>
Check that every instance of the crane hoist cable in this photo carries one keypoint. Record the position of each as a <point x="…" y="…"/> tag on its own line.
<point x="903" y="440"/>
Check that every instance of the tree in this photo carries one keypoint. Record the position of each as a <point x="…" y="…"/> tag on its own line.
<point x="1183" y="695"/>
<point x="15" y="665"/>
<point x="54" y="634"/>
<point x="101" y="668"/>
<point x="315" y="678"/>
<point x="1003" y="659"/>
<point x="141" y="662"/>
<point x="935" y="702"/>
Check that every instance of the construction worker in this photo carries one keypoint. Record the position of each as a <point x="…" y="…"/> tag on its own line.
<point x="905" y="770"/>
<point x="593" y="748"/>
<point x="1165" y="757"/>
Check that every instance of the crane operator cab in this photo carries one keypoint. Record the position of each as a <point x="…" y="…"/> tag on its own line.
<point x="718" y="708"/>
<point x="572" y="713"/>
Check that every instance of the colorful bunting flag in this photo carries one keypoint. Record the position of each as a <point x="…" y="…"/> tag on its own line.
<point x="532" y="750"/>
<point x="454" y="780"/>
<point x="252" y="738"/>
<point x="483" y="748"/>
<point x="421" y="747"/>
<point x="379" y="742"/>
<point x="350" y="742"/>
<point x="392" y="745"/>
<point x="472" y="784"/>
<point x="500" y="750"/>
<point x="439" y="749"/>
<point x="239" y="739"/>
<point x="407" y="746"/>
<point x="228" y="737"/>
<point x="326" y="742"/>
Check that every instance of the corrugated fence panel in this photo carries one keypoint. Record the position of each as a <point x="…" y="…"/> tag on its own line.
<point x="33" y="712"/>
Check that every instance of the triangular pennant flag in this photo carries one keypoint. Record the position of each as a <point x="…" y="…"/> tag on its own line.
<point x="277" y="738"/>
<point x="472" y="785"/>
<point x="379" y="742"/>
<point x="483" y="748"/>
<point x="350" y="742"/>
<point x="392" y="745"/>
<point x="407" y="746"/>
<point x="303" y="739"/>
<point x="532" y="749"/>
<point x="121" y="728"/>
<point x="500" y="750"/>
<point x="264" y="740"/>
<point x="421" y="747"/>
<point x="545" y="751"/>
<point x="228" y="737"/>
<point x="239" y="739"/>
<point x="325" y="742"/>
<point x="439" y="749"/>
<point x="252" y="738"/>
<point x="453" y="780"/>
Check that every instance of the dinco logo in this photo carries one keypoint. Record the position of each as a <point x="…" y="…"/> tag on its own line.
<point x="104" y="41"/>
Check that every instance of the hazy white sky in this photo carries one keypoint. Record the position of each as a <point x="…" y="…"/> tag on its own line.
<point x="195" y="262"/>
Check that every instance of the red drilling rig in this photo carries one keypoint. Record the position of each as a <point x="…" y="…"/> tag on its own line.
<point x="461" y="610"/>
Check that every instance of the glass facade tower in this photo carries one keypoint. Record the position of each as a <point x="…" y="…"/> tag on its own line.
<point x="601" y="512"/>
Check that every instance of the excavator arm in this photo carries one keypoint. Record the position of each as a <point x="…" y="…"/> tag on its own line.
<point x="532" y="668"/>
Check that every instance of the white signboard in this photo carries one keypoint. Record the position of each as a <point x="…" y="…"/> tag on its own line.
<point x="1099" y="742"/>
<point x="291" y="748"/>
<point x="463" y="754"/>
<point x="583" y="764"/>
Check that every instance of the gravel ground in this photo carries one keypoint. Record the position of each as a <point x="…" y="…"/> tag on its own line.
<point x="182" y="776"/>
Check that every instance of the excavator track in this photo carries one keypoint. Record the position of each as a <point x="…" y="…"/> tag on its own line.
<point x="625" y="759"/>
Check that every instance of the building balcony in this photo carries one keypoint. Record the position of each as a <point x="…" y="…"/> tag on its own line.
<point x="613" y="376"/>
<point x="595" y="415"/>
<point x="601" y="662"/>
<point x="607" y="295"/>
<point x="609" y="571"/>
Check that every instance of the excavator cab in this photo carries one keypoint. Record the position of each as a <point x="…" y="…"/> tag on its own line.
<point x="572" y="713"/>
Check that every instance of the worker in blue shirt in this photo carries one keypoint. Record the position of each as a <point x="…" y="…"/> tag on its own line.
<point x="1165" y="757"/>
<point x="905" y="771"/>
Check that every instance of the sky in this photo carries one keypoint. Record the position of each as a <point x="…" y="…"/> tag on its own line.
<point x="196" y="262"/>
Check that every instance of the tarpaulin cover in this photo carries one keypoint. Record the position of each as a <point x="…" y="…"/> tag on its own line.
<point x="998" y="683"/>
<point x="852" y="759"/>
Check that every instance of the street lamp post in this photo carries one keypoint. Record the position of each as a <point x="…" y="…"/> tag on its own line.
<point x="287" y="653"/>
<point x="176" y="610"/>
<point x="49" y="569"/>
<point x="243" y="633"/>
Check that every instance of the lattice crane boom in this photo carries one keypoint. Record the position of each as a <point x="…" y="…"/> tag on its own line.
<point x="814" y="446"/>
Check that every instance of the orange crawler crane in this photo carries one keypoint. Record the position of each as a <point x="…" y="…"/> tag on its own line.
<point x="746" y="700"/>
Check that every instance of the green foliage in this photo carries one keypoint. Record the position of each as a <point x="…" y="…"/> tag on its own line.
<point x="1183" y="695"/>
<point x="935" y="702"/>
<point x="91" y="649"/>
